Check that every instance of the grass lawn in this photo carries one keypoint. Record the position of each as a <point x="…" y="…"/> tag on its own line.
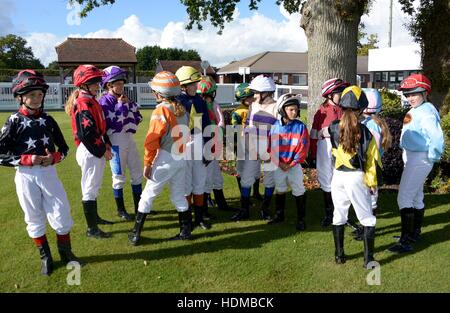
<point x="248" y="256"/>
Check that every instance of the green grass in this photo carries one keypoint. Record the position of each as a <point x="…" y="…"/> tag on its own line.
<point x="247" y="256"/>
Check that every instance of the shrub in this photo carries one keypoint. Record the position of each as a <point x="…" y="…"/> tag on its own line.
<point x="392" y="105"/>
<point x="445" y="160"/>
<point x="392" y="158"/>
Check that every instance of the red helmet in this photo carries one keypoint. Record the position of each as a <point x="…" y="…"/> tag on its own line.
<point x="28" y="80"/>
<point x="87" y="74"/>
<point x="332" y="86"/>
<point x="415" y="83"/>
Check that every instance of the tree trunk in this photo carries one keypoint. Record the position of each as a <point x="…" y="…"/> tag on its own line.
<point x="435" y="34"/>
<point x="331" y="28"/>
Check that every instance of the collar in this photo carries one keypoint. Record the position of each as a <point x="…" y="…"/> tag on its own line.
<point x="85" y="94"/>
<point x="24" y="111"/>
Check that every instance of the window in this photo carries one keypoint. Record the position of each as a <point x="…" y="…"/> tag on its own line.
<point x="392" y="77"/>
<point x="400" y="76"/>
<point x="385" y="77"/>
<point x="299" y="79"/>
<point x="377" y="76"/>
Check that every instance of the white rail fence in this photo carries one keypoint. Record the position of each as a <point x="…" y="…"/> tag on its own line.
<point x="57" y="95"/>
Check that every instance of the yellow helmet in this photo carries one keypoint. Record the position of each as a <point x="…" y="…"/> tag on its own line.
<point x="187" y="75"/>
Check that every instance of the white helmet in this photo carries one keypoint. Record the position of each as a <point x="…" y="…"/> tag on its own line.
<point x="287" y="100"/>
<point x="262" y="83"/>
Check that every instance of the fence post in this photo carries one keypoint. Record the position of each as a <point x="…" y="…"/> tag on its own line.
<point x="60" y="95"/>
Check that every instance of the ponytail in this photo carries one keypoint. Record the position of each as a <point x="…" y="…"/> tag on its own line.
<point x="386" y="136"/>
<point x="179" y="108"/>
<point x="349" y="131"/>
<point x="71" y="101"/>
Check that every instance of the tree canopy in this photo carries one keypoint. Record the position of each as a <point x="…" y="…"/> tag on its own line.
<point x="14" y="54"/>
<point x="430" y="27"/>
<point x="366" y="42"/>
<point x="148" y="55"/>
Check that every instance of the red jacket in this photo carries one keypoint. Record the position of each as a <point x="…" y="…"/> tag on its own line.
<point x="325" y="115"/>
<point x="89" y="125"/>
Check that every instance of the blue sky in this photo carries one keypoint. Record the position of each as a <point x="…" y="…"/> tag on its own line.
<point x="44" y="24"/>
<point x="155" y="13"/>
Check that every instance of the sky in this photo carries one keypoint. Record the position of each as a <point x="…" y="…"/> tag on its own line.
<point x="47" y="23"/>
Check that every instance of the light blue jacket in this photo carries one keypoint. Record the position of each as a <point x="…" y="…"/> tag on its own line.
<point x="422" y="131"/>
<point x="375" y="129"/>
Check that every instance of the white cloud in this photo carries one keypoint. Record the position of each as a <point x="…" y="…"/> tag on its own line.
<point x="6" y="12"/>
<point x="377" y="22"/>
<point x="43" y="45"/>
<point x="241" y="38"/>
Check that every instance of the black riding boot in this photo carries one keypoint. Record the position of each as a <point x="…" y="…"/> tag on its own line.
<point x="328" y="219"/>
<point x="338" y="234"/>
<point x="46" y="259"/>
<point x="358" y="230"/>
<point x="90" y="212"/>
<point x="369" y="240"/>
<point x="256" y="194"/>
<point x="418" y="221"/>
<point x="220" y="200"/>
<point x="135" y="234"/>
<point x="300" y="202"/>
<point x="407" y="220"/>
<point x="265" y="205"/>
<point x="280" y="202"/>
<point x="198" y="217"/>
<point x="244" y="210"/>
<point x="121" y="212"/>
<point x="185" y="220"/>
<point x="206" y="203"/>
<point x="66" y="254"/>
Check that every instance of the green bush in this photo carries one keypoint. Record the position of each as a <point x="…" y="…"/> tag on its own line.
<point x="445" y="124"/>
<point x="445" y="108"/>
<point x="392" y="105"/>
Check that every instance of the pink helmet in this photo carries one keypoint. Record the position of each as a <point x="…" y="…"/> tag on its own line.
<point x="332" y="86"/>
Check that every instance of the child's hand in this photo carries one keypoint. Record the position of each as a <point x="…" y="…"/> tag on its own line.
<point x="108" y="155"/>
<point x="285" y="167"/>
<point x="47" y="159"/>
<point x="124" y="99"/>
<point x="148" y="172"/>
<point x="36" y="160"/>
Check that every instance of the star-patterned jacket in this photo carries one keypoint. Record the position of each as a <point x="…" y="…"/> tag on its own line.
<point x="25" y="135"/>
<point x="89" y="125"/>
<point x="120" y="117"/>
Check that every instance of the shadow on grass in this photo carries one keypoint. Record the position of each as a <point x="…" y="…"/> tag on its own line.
<point x="241" y="238"/>
<point x="254" y="236"/>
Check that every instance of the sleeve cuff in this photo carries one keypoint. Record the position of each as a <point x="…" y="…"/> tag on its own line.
<point x="25" y="160"/>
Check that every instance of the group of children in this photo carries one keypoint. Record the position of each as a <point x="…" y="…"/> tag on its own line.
<point x="185" y="141"/>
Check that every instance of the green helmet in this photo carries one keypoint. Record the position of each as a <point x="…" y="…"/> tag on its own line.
<point x="243" y="91"/>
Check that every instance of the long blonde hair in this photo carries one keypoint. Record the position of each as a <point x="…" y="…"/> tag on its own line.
<point x="386" y="136"/>
<point x="71" y="101"/>
<point x="349" y="131"/>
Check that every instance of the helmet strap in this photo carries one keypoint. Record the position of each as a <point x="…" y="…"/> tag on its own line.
<point x="330" y="98"/>
<point x="35" y="110"/>
<point x="87" y="89"/>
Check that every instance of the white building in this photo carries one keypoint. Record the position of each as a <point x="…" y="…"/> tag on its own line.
<point x="389" y="66"/>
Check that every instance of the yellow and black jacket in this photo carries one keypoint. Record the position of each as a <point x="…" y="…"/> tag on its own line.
<point x="367" y="158"/>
